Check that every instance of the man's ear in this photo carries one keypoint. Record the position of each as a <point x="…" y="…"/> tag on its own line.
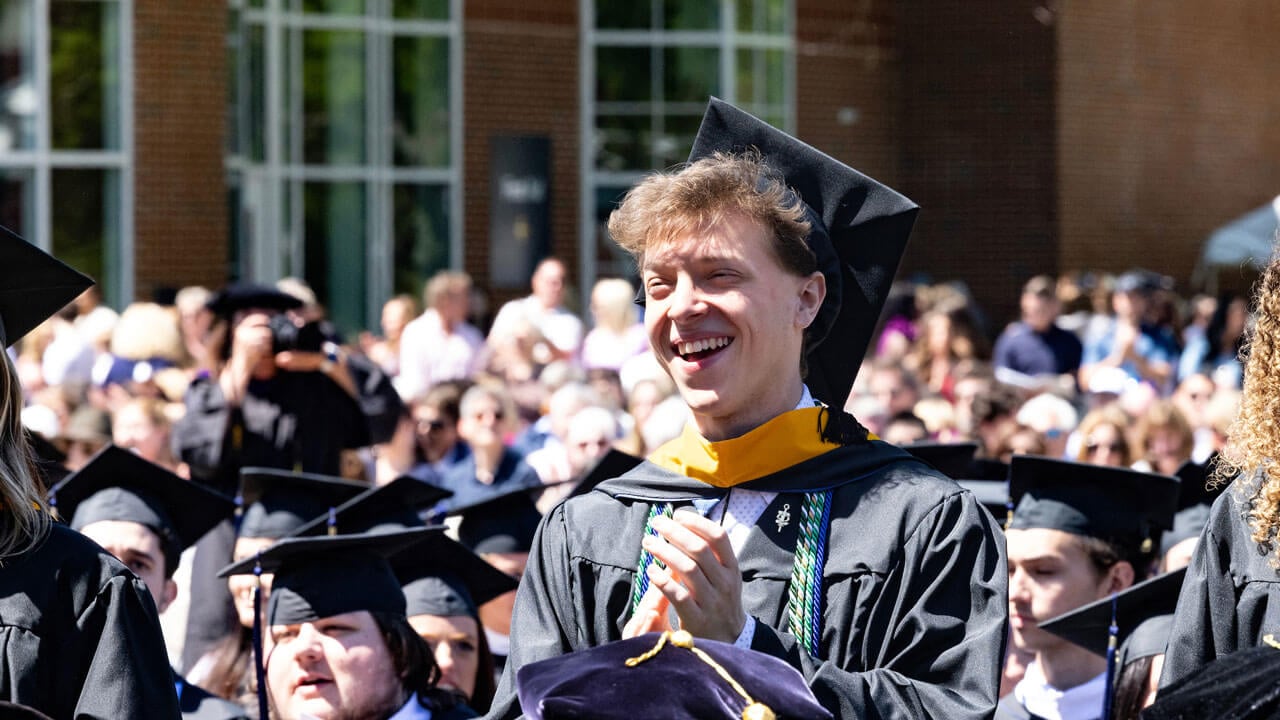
<point x="812" y="292"/>
<point x="167" y="597"/>
<point x="1119" y="577"/>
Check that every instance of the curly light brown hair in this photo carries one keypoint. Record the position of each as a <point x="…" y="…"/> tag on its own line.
<point x="1255" y="432"/>
<point x="665" y="206"/>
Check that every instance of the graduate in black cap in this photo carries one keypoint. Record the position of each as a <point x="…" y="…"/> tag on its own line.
<point x="146" y="516"/>
<point x="274" y="504"/>
<point x="79" y="636"/>
<point x="336" y="641"/>
<point x="444" y="587"/>
<point x="773" y="521"/>
<point x="1197" y="491"/>
<point x="1078" y="533"/>
<point x="1133" y="626"/>
<point x="1231" y="597"/>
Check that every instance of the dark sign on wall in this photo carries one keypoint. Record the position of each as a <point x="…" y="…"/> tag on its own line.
<point x="519" y="208"/>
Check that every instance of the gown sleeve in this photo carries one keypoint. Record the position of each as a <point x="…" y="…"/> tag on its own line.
<point x="128" y="672"/>
<point x="1204" y="623"/>
<point x="936" y="632"/>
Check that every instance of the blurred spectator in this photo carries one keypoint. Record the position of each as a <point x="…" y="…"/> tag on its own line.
<point x="1019" y="440"/>
<point x="94" y="321"/>
<point x="1216" y="351"/>
<point x="904" y="429"/>
<point x="1192" y="400"/>
<point x="440" y="345"/>
<point x="1035" y="352"/>
<point x="544" y="443"/>
<point x="993" y="417"/>
<point x="644" y="397"/>
<point x="1162" y="439"/>
<point x="895" y="390"/>
<point x="947" y="337"/>
<point x="87" y="431"/>
<point x="590" y="435"/>
<point x="1102" y="437"/>
<point x="141" y="425"/>
<point x="30" y="357"/>
<point x="972" y="380"/>
<point x="618" y="333"/>
<point x="146" y="341"/>
<point x="399" y="454"/>
<point x="939" y="418"/>
<point x="435" y="417"/>
<point x="1134" y="345"/>
<point x="196" y="322"/>
<point x="1053" y="418"/>
<point x="397" y="313"/>
<point x="541" y="320"/>
<point x="484" y="416"/>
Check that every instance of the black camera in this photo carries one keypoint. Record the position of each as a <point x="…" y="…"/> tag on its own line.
<point x="287" y="336"/>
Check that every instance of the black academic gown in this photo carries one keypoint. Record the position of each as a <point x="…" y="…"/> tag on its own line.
<point x="79" y="636"/>
<point x="1230" y="598"/>
<point x="200" y="704"/>
<point x="914" y="608"/>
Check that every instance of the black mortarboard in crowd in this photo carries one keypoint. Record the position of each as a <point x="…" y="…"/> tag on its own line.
<point x="1110" y="503"/>
<point x="1088" y="625"/>
<point x="394" y="506"/>
<point x="502" y="520"/>
<point x="277" y="502"/>
<point x="678" y="677"/>
<point x="48" y="459"/>
<point x="615" y="463"/>
<point x="319" y="577"/>
<point x="1237" y="686"/>
<point x="248" y="296"/>
<point x="33" y="286"/>
<point x="118" y="484"/>
<point x="860" y="231"/>
<point x="955" y="460"/>
<point x="442" y="577"/>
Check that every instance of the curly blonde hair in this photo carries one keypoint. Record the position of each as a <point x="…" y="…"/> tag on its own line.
<point x="1255" y="432"/>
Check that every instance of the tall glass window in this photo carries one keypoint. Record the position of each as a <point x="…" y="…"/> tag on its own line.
<point x="649" y="67"/>
<point x="65" y="133"/>
<point x="343" y="146"/>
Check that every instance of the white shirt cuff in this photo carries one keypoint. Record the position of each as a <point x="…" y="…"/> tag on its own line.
<point x="747" y="634"/>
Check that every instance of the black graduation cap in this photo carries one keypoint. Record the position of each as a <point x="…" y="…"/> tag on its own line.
<point x="1236" y="686"/>
<point x="955" y="460"/>
<point x="48" y="459"/>
<point x="319" y="577"/>
<point x="442" y="577"/>
<point x="1110" y="503"/>
<point x="118" y="484"/>
<point x="246" y="296"/>
<point x="615" y="463"/>
<point x="500" y="520"/>
<point x="278" y="502"/>
<point x="1195" y="478"/>
<point x="394" y="506"/>
<point x="668" y="675"/>
<point x="1088" y="625"/>
<point x="860" y="231"/>
<point x="33" y="286"/>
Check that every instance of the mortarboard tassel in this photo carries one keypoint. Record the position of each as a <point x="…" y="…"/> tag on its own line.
<point x="1108" y="692"/>
<point x="333" y="521"/>
<point x="259" y="666"/>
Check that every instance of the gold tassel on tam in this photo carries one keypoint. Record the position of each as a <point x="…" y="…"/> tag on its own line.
<point x="683" y="639"/>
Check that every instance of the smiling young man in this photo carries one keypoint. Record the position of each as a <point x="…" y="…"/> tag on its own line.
<point x="1079" y="533"/>
<point x="774" y="521"/>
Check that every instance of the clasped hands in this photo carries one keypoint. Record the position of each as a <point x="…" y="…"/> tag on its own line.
<point x="701" y="581"/>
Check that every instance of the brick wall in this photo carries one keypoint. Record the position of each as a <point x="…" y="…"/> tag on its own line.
<point x="521" y="78"/>
<point x="180" y="104"/>
<point x="1169" y="125"/>
<point x="977" y="145"/>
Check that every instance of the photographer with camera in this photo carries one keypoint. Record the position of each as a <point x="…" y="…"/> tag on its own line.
<point x="281" y="396"/>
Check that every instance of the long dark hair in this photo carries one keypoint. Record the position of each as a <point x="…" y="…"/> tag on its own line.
<point x="1131" y="689"/>
<point x="232" y="677"/>
<point x="413" y="661"/>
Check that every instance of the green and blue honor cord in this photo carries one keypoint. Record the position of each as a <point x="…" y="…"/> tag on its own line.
<point x="804" y="597"/>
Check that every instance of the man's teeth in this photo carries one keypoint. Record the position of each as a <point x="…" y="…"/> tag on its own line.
<point x="689" y="348"/>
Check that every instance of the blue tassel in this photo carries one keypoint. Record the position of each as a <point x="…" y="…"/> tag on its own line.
<point x="259" y="662"/>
